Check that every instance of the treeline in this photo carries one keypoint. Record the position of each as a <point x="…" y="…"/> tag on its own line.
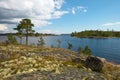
<point x="95" y="34"/>
<point x="30" y="34"/>
<point x="41" y="34"/>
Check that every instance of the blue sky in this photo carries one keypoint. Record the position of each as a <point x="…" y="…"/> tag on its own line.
<point x="61" y="16"/>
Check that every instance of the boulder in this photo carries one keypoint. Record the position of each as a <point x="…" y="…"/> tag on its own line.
<point x="94" y="63"/>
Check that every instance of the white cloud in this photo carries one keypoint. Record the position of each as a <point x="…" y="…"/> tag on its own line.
<point x="39" y="11"/>
<point x="58" y="14"/>
<point x="82" y="8"/>
<point x="3" y="27"/>
<point x="59" y="3"/>
<point x="78" y="8"/>
<point x="39" y="23"/>
<point x="49" y="31"/>
<point x="73" y="11"/>
<point x="114" y="24"/>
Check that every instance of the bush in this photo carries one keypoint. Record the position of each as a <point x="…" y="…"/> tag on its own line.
<point x="80" y="50"/>
<point x="52" y="46"/>
<point x="11" y="39"/>
<point x="87" y="50"/>
<point x="70" y="46"/>
<point x="41" y="42"/>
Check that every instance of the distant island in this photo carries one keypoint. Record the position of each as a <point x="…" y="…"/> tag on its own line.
<point x="96" y="34"/>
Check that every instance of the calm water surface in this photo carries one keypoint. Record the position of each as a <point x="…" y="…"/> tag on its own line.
<point x="106" y="48"/>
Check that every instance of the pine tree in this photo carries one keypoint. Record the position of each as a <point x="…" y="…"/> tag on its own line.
<point x="70" y="46"/>
<point x="87" y="50"/>
<point x="25" y="27"/>
<point x="41" y="42"/>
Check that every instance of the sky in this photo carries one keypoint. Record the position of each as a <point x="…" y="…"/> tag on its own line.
<point x="61" y="16"/>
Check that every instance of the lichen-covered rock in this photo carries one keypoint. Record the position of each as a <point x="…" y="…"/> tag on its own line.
<point x="78" y="60"/>
<point x="94" y="63"/>
<point x="35" y="63"/>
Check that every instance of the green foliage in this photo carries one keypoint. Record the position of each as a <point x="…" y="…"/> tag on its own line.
<point x="96" y="33"/>
<point x="41" y="42"/>
<point x="20" y="32"/>
<point x="52" y="46"/>
<point x="36" y="34"/>
<point x="41" y="34"/>
<point x="70" y="46"/>
<point x="80" y="50"/>
<point x="20" y="36"/>
<point x="25" y="27"/>
<point x="11" y="39"/>
<point x="87" y="50"/>
<point x="59" y="43"/>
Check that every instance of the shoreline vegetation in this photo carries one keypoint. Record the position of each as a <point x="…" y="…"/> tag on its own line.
<point x="96" y="34"/>
<point x="31" y="34"/>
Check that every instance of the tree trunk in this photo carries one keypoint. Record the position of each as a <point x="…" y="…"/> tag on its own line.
<point x="27" y="36"/>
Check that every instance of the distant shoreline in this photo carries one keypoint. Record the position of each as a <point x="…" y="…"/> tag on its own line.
<point x="35" y="34"/>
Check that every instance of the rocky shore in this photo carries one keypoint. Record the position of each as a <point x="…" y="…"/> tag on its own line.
<point x="18" y="62"/>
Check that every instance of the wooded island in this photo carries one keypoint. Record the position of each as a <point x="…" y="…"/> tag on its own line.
<point x="96" y="34"/>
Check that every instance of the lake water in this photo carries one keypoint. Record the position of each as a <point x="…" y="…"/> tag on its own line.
<point x="107" y="48"/>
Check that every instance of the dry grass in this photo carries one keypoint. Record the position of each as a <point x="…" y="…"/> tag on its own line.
<point x="111" y="71"/>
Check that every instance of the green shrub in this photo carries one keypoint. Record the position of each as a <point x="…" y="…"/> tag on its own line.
<point x="70" y="46"/>
<point x="52" y="46"/>
<point x="80" y="50"/>
<point x="11" y="39"/>
<point x="41" y="42"/>
<point x="87" y="50"/>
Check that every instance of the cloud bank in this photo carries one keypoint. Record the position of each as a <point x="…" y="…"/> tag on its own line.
<point x="3" y="27"/>
<point x="39" y="11"/>
<point x="114" y="24"/>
